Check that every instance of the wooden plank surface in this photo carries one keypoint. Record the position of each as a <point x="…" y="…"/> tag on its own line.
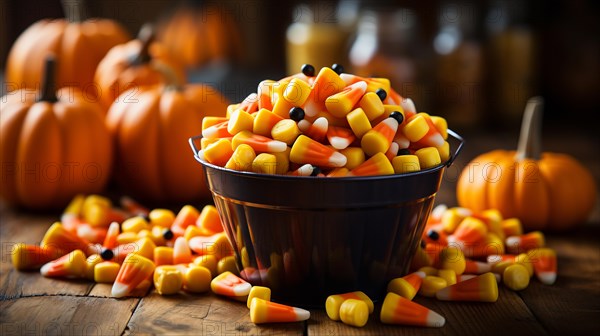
<point x="64" y="315"/>
<point x="204" y="314"/>
<point x="31" y="304"/>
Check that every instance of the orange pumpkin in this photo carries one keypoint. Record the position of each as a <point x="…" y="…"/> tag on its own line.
<point x="52" y="148"/>
<point x="132" y="64"/>
<point x="78" y="45"/>
<point x="198" y="33"/>
<point x="153" y="160"/>
<point x="545" y="190"/>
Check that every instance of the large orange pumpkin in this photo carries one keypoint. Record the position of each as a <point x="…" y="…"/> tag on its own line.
<point x="78" y="45"/>
<point x="545" y="190"/>
<point x="51" y="148"/>
<point x="151" y="128"/>
<point x="131" y="65"/>
<point x="199" y="32"/>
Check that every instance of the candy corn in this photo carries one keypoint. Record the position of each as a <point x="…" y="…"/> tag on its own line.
<point x="341" y="103"/>
<point x="378" y="164"/>
<point x="262" y="311"/>
<point x="482" y="288"/>
<point x="379" y="138"/>
<point x="399" y="310"/>
<point x="407" y="286"/>
<point x="318" y="130"/>
<point x="228" y="284"/>
<point x="354" y="312"/>
<point x="259" y="143"/>
<point x="133" y="272"/>
<point x="71" y="265"/>
<point x="58" y="237"/>
<point x="259" y="292"/>
<point x="181" y="252"/>
<point x="306" y="150"/>
<point x="340" y="137"/>
<point x="544" y="264"/>
<point x="334" y="302"/>
<point x="526" y="242"/>
<point x="31" y="257"/>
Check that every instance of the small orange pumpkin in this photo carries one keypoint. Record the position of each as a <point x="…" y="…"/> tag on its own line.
<point x="199" y="32"/>
<point x="131" y="64"/>
<point x="151" y="128"/>
<point x="79" y="45"/>
<point x="545" y="190"/>
<point x="52" y="148"/>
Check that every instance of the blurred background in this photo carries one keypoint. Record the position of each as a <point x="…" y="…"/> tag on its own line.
<point x="473" y="62"/>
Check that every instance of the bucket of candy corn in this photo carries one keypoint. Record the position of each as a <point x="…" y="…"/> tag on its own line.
<point x="345" y="213"/>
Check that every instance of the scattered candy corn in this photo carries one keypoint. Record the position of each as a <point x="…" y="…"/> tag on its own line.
<point x="262" y="311"/>
<point x="399" y="310"/>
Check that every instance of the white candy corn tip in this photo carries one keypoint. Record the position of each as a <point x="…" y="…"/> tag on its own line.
<point x="547" y="278"/>
<point x="242" y="289"/>
<point x="321" y="123"/>
<point x="408" y="105"/>
<point x="438" y="211"/>
<point x="276" y="146"/>
<point x="362" y="85"/>
<point x="494" y="259"/>
<point x="209" y="132"/>
<point x="310" y="108"/>
<point x="305" y="170"/>
<point x="119" y="290"/>
<point x="339" y="142"/>
<point x="421" y="274"/>
<point x="513" y="241"/>
<point x="392" y="123"/>
<point x="347" y="78"/>
<point x="46" y="268"/>
<point x="337" y="159"/>
<point x="435" y="320"/>
<point x="436" y="140"/>
<point x="301" y="314"/>
<point x="464" y="277"/>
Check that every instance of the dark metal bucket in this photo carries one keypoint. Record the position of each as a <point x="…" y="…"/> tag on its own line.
<point x="310" y="237"/>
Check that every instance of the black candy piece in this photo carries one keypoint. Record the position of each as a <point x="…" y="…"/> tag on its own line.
<point x="308" y="70"/>
<point x="381" y="93"/>
<point x="433" y="235"/>
<point x="398" y="116"/>
<point x="107" y="254"/>
<point x="168" y="234"/>
<point x="316" y="171"/>
<point x="296" y="114"/>
<point x="337" y="68"/>
<point x="403" y="151"/>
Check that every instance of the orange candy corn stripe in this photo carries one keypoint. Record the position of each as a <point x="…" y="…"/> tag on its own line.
<point x="399" y="310"/>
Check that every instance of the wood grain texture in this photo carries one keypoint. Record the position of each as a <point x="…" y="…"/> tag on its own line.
<point x="203" y="314"/>
<point x="64" y="315"/>
<point x="576" y="293"/>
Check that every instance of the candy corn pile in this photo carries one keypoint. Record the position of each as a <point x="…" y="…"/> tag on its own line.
<point x="327" y="124"/>
<point x="462" y="258"/>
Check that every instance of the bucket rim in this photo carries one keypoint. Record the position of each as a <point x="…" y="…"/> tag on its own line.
<point x="248" y="174"/>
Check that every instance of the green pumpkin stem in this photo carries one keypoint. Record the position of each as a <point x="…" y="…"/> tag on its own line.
<point x="146" y="36"/>
<point x="530" y="140"/>
<point x="74" y="10"/>
<point x="49" y="81"/>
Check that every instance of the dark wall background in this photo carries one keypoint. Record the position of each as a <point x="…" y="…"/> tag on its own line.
<point x="565" y="33"/>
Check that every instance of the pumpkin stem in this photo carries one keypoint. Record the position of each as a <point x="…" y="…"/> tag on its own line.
<point x="146" y="36"/>
<point x="530" y="140"/>
<point x="49" y="82"/>
<point x="171" y="79"/>
<point x="74" y="10"/>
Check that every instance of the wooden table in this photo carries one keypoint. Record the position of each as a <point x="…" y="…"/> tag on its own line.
<point x="31" y="304"/>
